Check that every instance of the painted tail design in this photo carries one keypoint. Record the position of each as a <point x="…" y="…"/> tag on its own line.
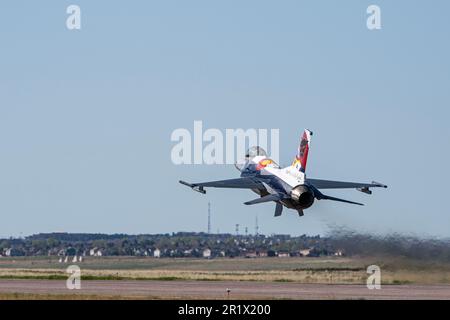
<point x="303" y="149"/>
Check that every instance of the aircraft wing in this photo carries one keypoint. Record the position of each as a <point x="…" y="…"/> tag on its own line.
<point x="329" y="184"/>
<point x="239" y="183"/>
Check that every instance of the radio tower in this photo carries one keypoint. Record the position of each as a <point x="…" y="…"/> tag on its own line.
<point x="209" y="217"/>
<point x="237" y="229"/>
<point x="256" y="226"/>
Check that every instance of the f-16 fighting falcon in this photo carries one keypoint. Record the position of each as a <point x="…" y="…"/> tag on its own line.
<point x="287" y="186"/>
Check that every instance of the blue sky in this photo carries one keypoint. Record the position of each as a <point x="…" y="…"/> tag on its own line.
<point x="86" y="116"/>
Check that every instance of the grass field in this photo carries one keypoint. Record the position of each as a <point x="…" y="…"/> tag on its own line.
<point x="335" y="270"/>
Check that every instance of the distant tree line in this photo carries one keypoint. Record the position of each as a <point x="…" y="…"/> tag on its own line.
<point x="182" y="244"/>
<point x="191" y="244"/>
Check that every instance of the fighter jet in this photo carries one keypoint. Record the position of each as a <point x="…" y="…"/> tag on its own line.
<point x="289" y="186"/>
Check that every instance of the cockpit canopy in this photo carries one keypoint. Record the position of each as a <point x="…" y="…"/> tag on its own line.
<point x="255" y="151"/>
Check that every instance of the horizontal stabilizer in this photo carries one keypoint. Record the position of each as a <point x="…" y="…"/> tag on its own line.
<point x="268" y="198"/>
<point x="325" y="197"/>
<point x="320" y="196"/>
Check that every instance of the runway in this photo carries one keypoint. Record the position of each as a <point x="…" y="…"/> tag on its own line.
<point x="218" y="290"/>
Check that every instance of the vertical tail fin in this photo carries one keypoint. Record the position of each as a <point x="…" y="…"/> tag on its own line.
<point x="303" y="149"/>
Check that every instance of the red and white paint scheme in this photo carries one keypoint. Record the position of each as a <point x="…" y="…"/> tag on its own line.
<point x="303" y="149"/>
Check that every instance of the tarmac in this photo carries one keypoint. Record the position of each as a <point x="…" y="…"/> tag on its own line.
<point x="219" y="290"/>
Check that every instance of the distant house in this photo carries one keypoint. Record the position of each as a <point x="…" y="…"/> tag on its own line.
<point x="95" y="252"/>
<point x="262" y="254"/>
<point x="12" y="252"/>
<point x="283" y="254"/>
<point x="53" y="251"/>
<point x="251" y="254"/>
<point x="305" y="252"/>
<point x="157" y="253"/>
<point x="207" y="253"/>
<point x="339" y="253"/>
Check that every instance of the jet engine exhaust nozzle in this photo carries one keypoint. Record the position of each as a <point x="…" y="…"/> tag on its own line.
<point x="302" y="196"/>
